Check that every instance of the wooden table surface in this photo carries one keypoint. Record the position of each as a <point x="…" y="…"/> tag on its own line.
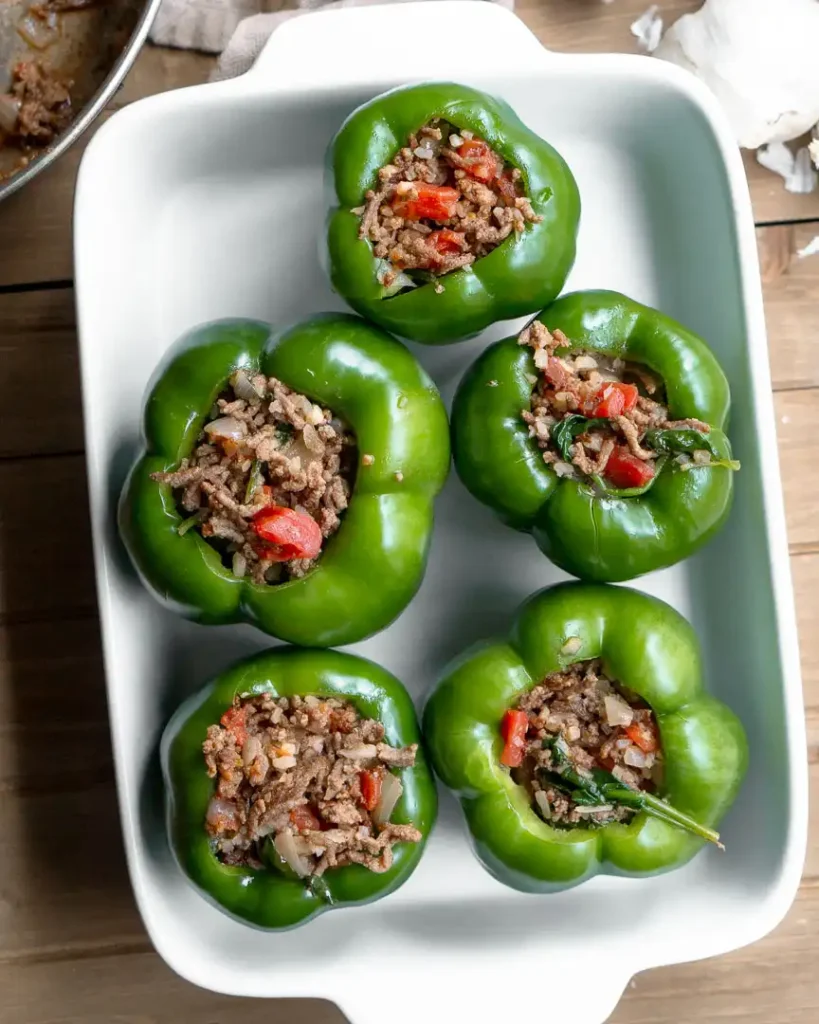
<point x="72" y="947"/>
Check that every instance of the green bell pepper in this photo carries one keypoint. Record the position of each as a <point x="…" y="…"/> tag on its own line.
<point x="371" y="568"/>
<point x="646" y="646"/>
<point x="522" y="274"/>
<point x="589" y="532"/>
<point x="266" y="897"/>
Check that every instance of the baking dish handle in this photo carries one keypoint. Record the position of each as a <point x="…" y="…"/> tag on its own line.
<point x="329" y="49"/>
<point x="481" y="991"/>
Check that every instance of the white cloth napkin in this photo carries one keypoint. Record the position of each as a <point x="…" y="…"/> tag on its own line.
<point x="238" y="29"/>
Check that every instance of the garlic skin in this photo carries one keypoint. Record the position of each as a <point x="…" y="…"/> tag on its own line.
<point x="761" y="60"/>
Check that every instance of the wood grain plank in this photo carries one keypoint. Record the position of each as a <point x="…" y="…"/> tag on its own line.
<point x="591" y="26"/>
<point x="64" y="887"/>
<point x="46" y="568"/>
<point x="771" y="982"/>
<point x="771" y="200"/>
<point x="38" y="335"/>
<point x="796" y="415"/>
<point x="791" y="290"/>
<point x="137" y="989"/>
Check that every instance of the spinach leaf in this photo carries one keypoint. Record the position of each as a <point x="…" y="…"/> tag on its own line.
<point x="564" y="432"/>
<point x="284" y="433"/>
<point x="596" y="787"/>
<point x="678" y="442"/>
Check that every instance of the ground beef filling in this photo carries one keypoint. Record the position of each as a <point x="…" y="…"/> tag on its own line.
<point x="305" y="782"/>
<point x="598" y="726"/>
<point x="444" y="201"/>
<point x="42" y="103"/>
<point x="602" y="411"/>
<point x="268" y="480"/>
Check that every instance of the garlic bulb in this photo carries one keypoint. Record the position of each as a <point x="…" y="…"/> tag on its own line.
<point x="760" y="59"/>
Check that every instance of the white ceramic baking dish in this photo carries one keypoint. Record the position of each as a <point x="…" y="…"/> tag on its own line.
<point x="206" y="203"/>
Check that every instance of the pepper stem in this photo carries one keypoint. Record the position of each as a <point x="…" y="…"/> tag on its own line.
<point x="658" y="808"/>
<point x="601" y="787"/>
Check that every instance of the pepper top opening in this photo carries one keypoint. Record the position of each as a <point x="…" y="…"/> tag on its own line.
<point x="445" y="200"/>
<point x="268" y="480"/>
<point x="604" y="420"/>
<point x="304" y="785"/>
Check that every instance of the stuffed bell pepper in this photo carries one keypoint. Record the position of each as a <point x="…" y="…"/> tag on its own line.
<point x="295" y="783"/>
<point x="288" y="479"/>
<point x="585" y="742"/>
<point x="600" y="429"/>
<point x="448" y="213"/>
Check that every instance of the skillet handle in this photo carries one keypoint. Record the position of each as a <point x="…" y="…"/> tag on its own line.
<point x="484" y="990"/>
<point x="328" y="49"/>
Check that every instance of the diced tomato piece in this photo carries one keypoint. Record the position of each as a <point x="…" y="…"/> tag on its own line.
<point x="513" y="730"/>
<point x="482" y="164"/>
<point x="432" y="202"/>
<point x="625" y="470"/>
<point x="370" y="783"/>
<point x="446" y="241"/>
<point x="304" y="819"/>
<point x="643" y="736"/>
<point x="235" y="720"/>
<point x="613" y="399"/>
<point x="289" y="533"/>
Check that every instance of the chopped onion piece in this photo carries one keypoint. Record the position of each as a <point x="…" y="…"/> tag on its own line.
<point x="239" y="565"/>
<point x="287" y="849"/>
<point x="597" y="809"/>
<point x="251" y="749"/>
<point x="222" y="814"/>
<point x="40" y="32"/>
<point x="397" y="279"/>
<point x="543" y="805"/>
<point x="572" y="645"/>
<point x="244" y="387"/>
<point x="617" y="711"/>
<point x="391" y="790"/>
<point x="225" y="426"/>
<point x="564" y="469"/>
<point x="283" y="763"/>
<point x="635" y="758"/>
<point x="585" y="363"/>
<point x="9" y="114"/>
<point x="359" y="753"/>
